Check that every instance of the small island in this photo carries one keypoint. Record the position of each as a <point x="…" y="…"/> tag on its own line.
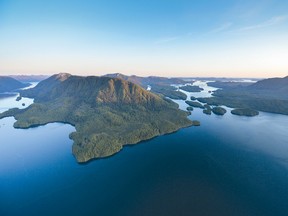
<point x="194" y="104"/>
<point x="190" y="108"/>
<point x="245" y="112"/>
<point x="195" y="123"/>
<point x="207" y="112"/>
<point x="190" y="88"/>
<point x="207" y="109"/>
<point x="193" y="98"/>
<point x="219" y="110"/>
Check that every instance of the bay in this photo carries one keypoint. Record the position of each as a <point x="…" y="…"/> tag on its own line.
<point x="230" y="165"/>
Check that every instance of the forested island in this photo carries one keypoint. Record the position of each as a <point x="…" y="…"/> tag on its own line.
<point x="194" y="104"/>
<point x="190" y="88"/>
<point x="219" y="110"/>
<point x="107" y="113"/>
<point x="245" y="112"/>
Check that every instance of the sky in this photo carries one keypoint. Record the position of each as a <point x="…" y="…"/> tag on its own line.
<point x="184" y="38"/>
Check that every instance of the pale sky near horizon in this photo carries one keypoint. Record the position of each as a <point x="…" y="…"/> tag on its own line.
<point x="207" y="38"/>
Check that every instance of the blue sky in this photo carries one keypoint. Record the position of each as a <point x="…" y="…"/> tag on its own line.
<point x="240" y="38"/>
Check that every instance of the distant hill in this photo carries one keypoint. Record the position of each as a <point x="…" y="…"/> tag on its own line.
<point x="268" y="95"/>
<point x="106" y="112"/>
<point x="150" y="80"/>
<point x="275" y="85"/>
<point x="8" y="84"/>
<point x="29" y="78"/>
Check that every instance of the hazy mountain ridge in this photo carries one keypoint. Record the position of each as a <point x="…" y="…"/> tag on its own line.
<point x="150" y="80"/>
<point x="279" y="85"/>
<point x="29" y="78"/>
<point x="106" y="112"/>
<point x="8" y="84"/>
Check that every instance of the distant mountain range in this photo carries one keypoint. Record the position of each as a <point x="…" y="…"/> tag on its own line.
<point x="106" y="112"/>
<point x="145" y="81"/>
<point x="29" y="78"/>
<point x="8" y="84"/>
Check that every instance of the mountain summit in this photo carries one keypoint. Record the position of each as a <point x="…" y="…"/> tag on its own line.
<point x="93" y="90"/>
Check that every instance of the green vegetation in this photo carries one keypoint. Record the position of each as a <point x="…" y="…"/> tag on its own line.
<point x="194" y="104"/>
<point x="190" y="88"/>
<point x="106" y="112"/>
<point x="8" y="84"/>
<point x="245" y="112"/>
<point x="219" y="110"/>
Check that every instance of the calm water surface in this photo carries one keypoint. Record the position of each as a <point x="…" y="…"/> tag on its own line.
<point x="229" y="165"/>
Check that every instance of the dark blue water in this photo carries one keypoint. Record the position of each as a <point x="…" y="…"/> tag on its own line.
<point x="229" y="165"/>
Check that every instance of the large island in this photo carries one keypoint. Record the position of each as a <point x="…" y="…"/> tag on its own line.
<point x="107" y="113"/>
